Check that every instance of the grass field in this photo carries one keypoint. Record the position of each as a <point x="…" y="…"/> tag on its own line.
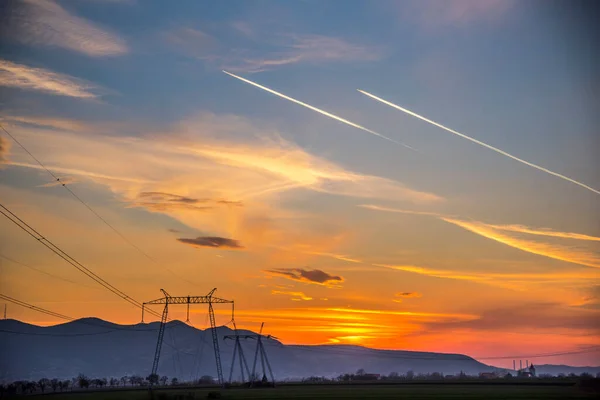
<point x="425" y="391"/>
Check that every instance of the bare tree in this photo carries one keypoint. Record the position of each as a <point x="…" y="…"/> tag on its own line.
<point x="42" y="383"/>
<point x="83" y="381"/>
<point x="163" y="380"/>
<point x="54" y="384"/>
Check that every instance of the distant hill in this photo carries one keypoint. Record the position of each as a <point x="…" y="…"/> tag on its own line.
<point x="99" y="348"/>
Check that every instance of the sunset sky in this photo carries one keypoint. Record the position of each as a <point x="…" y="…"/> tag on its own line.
<point x="327" y="232"/>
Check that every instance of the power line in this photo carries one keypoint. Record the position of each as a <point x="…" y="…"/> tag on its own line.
<point x="117" y="232"/>
<point x="43" y="272"/>
<point x="323" y="350"/>
<point x="73" y="320"/>
<point x="35" y="308"/>
<point x="66" y="257"/>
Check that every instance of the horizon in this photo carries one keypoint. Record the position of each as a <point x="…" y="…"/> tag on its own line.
<point x="416" y="175"/>
<point x="482" y="360"/>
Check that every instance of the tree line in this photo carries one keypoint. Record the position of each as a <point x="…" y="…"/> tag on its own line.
<point x="82" y="382"/>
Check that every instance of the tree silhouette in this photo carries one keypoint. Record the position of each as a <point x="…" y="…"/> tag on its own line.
<point x="153" y="379"/>
<point x="163" y="380"/>
<point x="174" y="381"/>
<point x="124" y="380"/>
<point x="360" y="372"/>
<point x="410" y="374"/>
<point x="43" y="383"/>
<point x="54" y="384"/>
<point x="83" y="381"/>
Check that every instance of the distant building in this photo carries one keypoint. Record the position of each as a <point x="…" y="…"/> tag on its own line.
<point x="488" y="375"/>
<point x="528" y="372"/>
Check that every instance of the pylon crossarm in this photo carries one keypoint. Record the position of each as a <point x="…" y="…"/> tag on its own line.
<point x="190" y="300"/>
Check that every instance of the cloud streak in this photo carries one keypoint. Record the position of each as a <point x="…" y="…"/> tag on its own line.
<point x="212" y="242"/>
<point x="308" y="49"/>
<point x="314" y="276"/>
<point x="4" y="150"/>
<point x="46" y="23"/>
<point x="327" y="114"/>
<point x="206" y="175"/>
<point x="295" y="296"/>
<point x="532" y="165"/>
<point x="497" y="233"/>
<point x="42" y="80"/>
<point x="501" y="279"/>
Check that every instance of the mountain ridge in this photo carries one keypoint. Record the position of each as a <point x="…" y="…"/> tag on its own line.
<point x="99" y="348"/>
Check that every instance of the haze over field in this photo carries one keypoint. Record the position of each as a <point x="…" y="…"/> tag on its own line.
<point x="449" y="207"/>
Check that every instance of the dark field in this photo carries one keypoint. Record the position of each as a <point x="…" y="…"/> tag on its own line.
<point x="402" y="391"/>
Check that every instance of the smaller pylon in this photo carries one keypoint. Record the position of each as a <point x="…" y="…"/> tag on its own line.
<point x="260" y="349"/>
<point x="239" y="352"/>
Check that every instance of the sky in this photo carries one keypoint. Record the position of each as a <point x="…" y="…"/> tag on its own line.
<point x="360" y="224"/>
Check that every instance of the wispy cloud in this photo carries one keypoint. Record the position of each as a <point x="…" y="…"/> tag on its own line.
<point x="220" y="174"/>
<point x="64" y="181"/>
<point x="436" y="15"/>
<point x="296" y="296"/>
<point x="563" y="253"/>
<point x="545" y="232"/>
<point x="189" y="41"/>
<point x="212" y="242"/>
<point x="497" y="233"/>
<point x="502" y="279"/>
<point x="44" y="22"/>
<point x="39" y="79"/>
<point x="542" y="316"/>
<point x="4" y="150"/>
<point x="315" y="276"/>
<point x="305" y="49"/>
<point x="398" y="297"/>
<point x="162" y="201"/>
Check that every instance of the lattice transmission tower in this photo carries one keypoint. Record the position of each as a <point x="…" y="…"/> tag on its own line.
<point x="172" y="300"/>
<point x="239" y="352"/>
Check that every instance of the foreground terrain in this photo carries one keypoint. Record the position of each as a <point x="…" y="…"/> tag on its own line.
<point x="398" y="391"/>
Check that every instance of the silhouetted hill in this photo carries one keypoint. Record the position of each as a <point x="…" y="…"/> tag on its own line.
<point x="100" y="348"/>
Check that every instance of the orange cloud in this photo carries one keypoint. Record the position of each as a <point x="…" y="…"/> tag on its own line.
<point x="314" y="276"/>
<point x="562" y="253"/>
<point x="212" y="242"/>
<point x="29" y="78"/>
<point x="4" y="150"/>
<point x="294" y="295"/>
<point x="495" y="232"/>
<point x="406" y="295"/>
<point x="544" y="232"/>
<point x="507" y="280"/>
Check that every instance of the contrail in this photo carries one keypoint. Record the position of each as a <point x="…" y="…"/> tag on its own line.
<point x="480" y="143"/>
<point x="345" y="121"/>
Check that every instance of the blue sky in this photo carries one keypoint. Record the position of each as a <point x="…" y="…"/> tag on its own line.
<point x="127" y="101"/>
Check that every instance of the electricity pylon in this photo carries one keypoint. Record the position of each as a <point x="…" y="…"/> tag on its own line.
<point x="260" y="348"/>
<point x="237" y="351"/>
<point x="208" y="299"/>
